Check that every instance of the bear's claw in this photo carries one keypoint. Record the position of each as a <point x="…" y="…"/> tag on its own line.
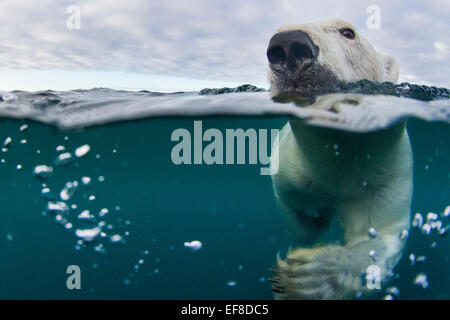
<point x="310" y="274"/>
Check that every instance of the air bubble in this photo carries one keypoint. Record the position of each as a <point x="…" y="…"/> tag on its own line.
<point x="46" y="194"/>
<point x="86" y="215"/>
<point x="7" y="142"/>
<point x="417" y="221"/>
<point x="193" y="245"/>
<point x="426" y="229"/>
<point x="63" y="159"/>
<point x="421" y="259"/>
<point x="393" y="291"/>
<point x="69" y="190"/>
<point x="372" y="233"/>
<point x="421" y="280"/>
<point x="446" y="212"/>
<point x="87" y="234"/>
<point x="68" y="226"/>
<point x="444" y="231"/>
<point x="431" y="216"/>
<point x="103" y="212"/>
<point x="82" y="151"/>
<point x="42" y="171"/>
<point x="116" y="239"/>
<point x="57" y="207"/>
<point x="412" y="259"/>
<point x="404" y="234"/>
<point x="436" y="225"/>
<point x="100" y="248"/>
<point x="373" y="255"/>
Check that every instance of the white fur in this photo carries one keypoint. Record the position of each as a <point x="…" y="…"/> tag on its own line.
<point x="350" y="60"/>
<point x="362" y="180"/>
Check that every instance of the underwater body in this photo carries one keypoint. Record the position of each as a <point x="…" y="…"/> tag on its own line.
<point x="88" y="179"/>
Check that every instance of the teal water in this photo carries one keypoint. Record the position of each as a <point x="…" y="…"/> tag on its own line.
<point x="156" y="206"/>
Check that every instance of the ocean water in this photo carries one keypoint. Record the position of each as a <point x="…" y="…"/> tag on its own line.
<point x="87" y="179"/>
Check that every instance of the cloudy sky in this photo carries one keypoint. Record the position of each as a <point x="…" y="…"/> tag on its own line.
<point x="187" y="45"/>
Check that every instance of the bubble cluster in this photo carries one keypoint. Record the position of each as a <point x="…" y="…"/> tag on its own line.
<point x="139" y="266"/>
<point x="89" y="229"/>
<point x="431" y="223"/>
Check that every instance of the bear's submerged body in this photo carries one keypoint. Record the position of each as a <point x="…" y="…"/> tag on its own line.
<point x="363" y="180"/>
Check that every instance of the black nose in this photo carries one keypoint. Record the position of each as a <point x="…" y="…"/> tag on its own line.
<point x="292" y="49"/>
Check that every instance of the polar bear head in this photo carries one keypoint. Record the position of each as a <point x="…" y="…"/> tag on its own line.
<point x="324" y="54"/>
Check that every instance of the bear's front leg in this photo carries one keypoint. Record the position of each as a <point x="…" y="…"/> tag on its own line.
<point x="334" y="272"/>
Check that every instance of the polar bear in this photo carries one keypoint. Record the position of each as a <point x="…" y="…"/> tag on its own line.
<point x="345" y="197"/>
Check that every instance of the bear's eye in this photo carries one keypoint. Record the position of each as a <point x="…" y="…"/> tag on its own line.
<point x="348" y="33"/>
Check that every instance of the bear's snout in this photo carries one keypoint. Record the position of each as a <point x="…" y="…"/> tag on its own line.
<point x="292" y="50"/>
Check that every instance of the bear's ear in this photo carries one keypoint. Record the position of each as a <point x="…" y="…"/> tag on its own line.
<point x="390" y="68"/>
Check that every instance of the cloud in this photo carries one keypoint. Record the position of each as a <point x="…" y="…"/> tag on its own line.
<point x="203" y="39"/>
